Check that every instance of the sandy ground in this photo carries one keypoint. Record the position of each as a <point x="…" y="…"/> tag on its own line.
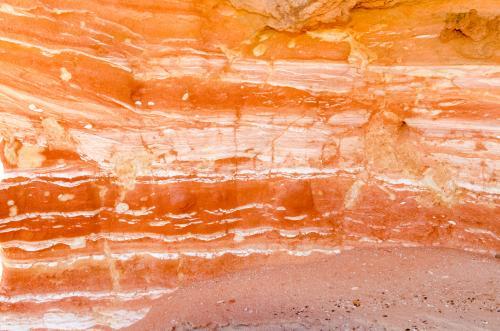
<point x="362" y="289"/>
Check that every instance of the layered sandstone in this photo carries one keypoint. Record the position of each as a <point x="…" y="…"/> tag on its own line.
<point x="147" y="143"/>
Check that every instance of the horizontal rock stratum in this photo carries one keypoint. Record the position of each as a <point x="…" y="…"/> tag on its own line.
<point x="146" y="144"/>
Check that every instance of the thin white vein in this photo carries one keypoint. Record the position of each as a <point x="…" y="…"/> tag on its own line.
<point x="78" y="242"/>
<point x="103" y="295"/>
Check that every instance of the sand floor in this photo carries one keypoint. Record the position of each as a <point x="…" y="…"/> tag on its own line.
<point x="361" y="289"/>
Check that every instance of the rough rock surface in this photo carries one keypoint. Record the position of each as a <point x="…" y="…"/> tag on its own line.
<point x="146" y="143"/>
<point x="296" y="15"/>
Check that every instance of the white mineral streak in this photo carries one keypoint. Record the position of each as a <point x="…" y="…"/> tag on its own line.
<point x="2" y="171"/>
<point x="60" y="320"/>
<point x="32" y="246"/>
<point x="153" y="293"/>
<point x="1" y="263"/>
<point x="158" y="255"/>
<point x="353" y="193"/>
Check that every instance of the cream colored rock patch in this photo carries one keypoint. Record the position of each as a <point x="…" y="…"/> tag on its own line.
<point x="127" y="166"/>
<point x="30" y="156"/>
<point x="352" y="194"/>
<point x="65" y="75"/>
<point x="359" y="56"/>
<point x="57" y="137"/>
<point x="65" y="197"/>
<point x="23" y="156"/>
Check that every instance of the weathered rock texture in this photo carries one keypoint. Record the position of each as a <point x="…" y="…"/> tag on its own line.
<point x="144" y="143"/>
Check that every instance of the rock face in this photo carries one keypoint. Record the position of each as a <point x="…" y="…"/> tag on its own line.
<point x="296" y="15"/>
<point x="144" y="144"/>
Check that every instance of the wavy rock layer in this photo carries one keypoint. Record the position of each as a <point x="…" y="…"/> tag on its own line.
<point x="145" y="144"/>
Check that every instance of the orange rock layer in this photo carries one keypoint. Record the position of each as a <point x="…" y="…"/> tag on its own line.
<point x="145" y="143"/>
